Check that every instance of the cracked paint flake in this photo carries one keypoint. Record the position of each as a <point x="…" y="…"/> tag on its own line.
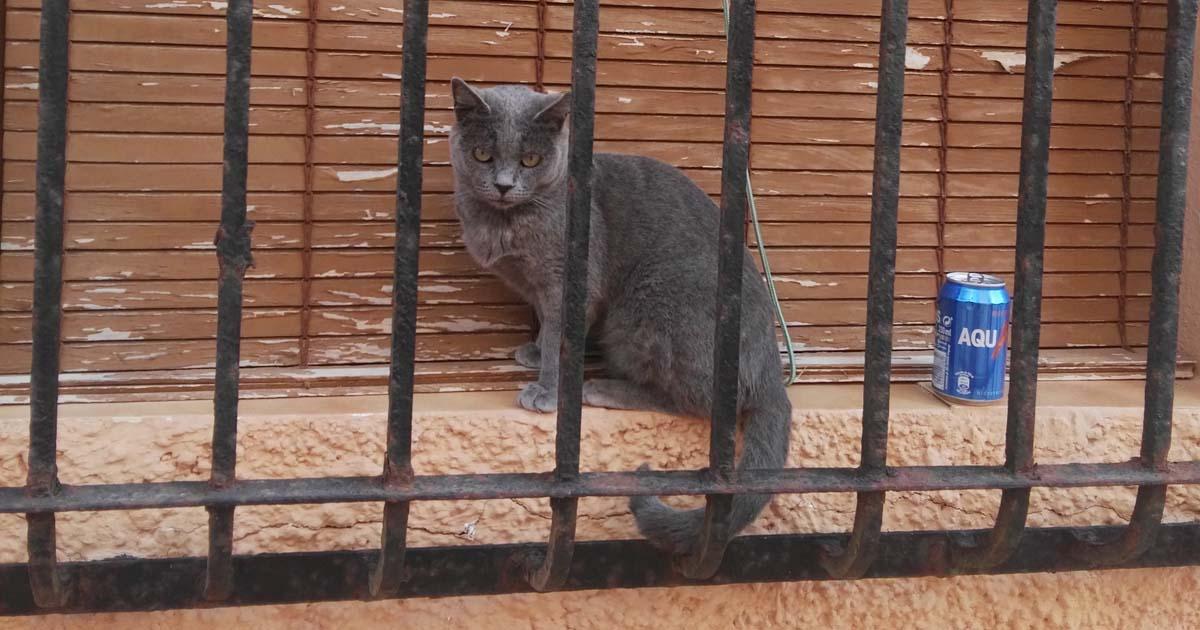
<point x="804" y="282"/>
<point x="359" y="126"/>
<point x="630" y="40"/>
<point x="915" y="59"/>
<point x="365" y="175"/>
<point x="286" y="10"/>
<point x="1012" y="61"/>
<point x="107" y="334"/>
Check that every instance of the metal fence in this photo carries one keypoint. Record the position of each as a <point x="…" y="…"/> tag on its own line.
<point x="44" y="585"/>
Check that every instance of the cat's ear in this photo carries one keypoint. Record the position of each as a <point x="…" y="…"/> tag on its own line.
<point x="467" y="100"/>
<point x="555" y="114"/>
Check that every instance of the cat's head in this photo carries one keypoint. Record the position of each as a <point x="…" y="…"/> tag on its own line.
<point x="508" y="143"/>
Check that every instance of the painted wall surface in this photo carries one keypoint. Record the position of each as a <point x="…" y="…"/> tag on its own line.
<point x="145" y="161"/>
<point x="484" y="433"/>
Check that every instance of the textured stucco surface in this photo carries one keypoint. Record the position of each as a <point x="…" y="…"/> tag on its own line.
<point x="1158" y="600"/>
<point x="1097" y="421"/>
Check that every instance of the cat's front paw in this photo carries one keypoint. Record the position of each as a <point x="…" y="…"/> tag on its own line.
<point x="534" y="397"/>
<point x="529" y="355"/>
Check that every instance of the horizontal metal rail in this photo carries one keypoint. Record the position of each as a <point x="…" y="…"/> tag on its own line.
<point x="152" y="584"/>
<point x="135" y="496"/>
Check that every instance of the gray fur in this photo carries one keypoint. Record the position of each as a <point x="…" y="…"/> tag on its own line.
<point x="652" y="264"/>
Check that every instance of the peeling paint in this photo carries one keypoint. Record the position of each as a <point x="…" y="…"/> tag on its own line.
<point x="284" y="9"/>
<point x="356" y="126"/>
<point x="108" y="334"/>
<point x="914" y="59"/>
<point x="143" y="357"/>
<point x="382" y="326"/>
<point x="365" y="176"/>
<point x="804" y="282"/>
<point x="1011" y="61"/>
<point x="1008" y="60"/>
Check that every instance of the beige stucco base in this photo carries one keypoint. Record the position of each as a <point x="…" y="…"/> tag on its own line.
<point x="1159" y="600"/>
<point x="1098" y="421"/>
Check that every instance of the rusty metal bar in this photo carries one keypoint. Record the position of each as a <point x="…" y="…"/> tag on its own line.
<point x="705" y="557"/>
<point x="233" y="257"/>
<point x="1165" y="273"/>
<point x="176" y="494"/>
<point x="1002" y="540"/>
<point x="42" y="479"/>
<point x="397" y="468"/>
<point x="854" y="559"/>
<point x="550" y="570"/>
<point x="169" y="583"/>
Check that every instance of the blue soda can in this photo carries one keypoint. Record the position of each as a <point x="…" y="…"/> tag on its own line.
<point x="971" y="338"/>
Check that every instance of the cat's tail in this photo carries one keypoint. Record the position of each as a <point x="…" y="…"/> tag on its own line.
<point x="765" y="446"/>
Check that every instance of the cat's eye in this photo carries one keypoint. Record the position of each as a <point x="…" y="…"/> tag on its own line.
<point x="530" y="160"/>
<point x="482" y="154"/>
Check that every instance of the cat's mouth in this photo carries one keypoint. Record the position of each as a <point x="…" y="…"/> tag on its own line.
<point x="506" y="202"/>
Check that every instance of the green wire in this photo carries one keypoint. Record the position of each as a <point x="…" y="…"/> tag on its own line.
<point x="762" y="253"/>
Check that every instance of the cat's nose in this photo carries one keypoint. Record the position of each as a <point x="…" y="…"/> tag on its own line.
<point x="503" y="188"/>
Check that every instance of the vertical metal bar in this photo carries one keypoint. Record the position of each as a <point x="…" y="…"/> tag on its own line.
<point x="1164" y="299"/>
<point x="1002" y="540"/>
<point x="1131" y="73"/>
<point x="551" y="571"/>
<point x="706" y="557"/>
<point x="47" y="296"/>
<point x="856" y="557"/>
<point x="397" y="467"/>
<point x="233" y="257"/>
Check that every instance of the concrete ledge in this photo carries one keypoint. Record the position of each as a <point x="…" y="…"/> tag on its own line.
<point x="484" y="432"/>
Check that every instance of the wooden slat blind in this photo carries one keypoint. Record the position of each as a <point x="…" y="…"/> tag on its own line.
<point x="144" y="173"/>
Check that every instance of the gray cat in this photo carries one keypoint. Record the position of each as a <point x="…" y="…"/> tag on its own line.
<point x="652" y="280"/>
